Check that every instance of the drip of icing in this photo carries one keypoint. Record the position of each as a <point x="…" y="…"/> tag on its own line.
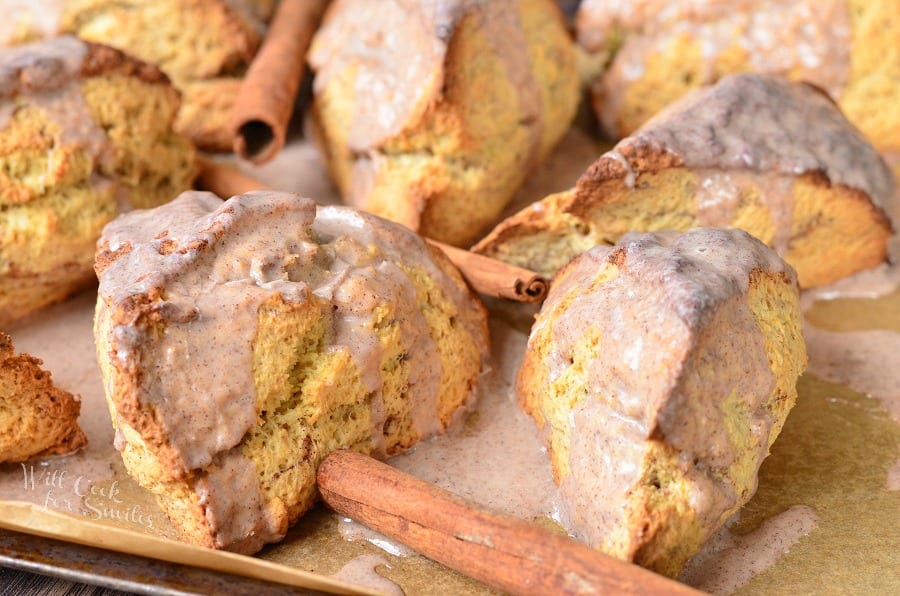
<point x="361" y="570"/>
<point x="728" y="561"/>
<point x="719" y="196"/>
<point x="893" y="477"/>
<point x="629" y="171"/>
<point x="46" y="75"/>
<point x="353" y="532"/>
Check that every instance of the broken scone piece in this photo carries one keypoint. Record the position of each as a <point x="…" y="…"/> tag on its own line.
<point x="36" y="416"/>
<point x="772" y="157"/>
<point x="661" y="370"/>
<point x="241" y="342"/>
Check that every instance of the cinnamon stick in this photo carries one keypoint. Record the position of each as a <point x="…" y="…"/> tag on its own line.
<point x="504" y="552"/>
<point x="486" y="275"/>
<point x="265" y="101"/>
<point x="224" y="180"/>
<point x="495" y="278"/>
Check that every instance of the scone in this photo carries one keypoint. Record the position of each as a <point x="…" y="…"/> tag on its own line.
<point x="659" y="50"/>
<point x="36" y="417"/>
<point x="29" y="21"/>
<point x="432" y="113"/>
<point x="86" y="133"/>
<point x="204" y="46"/>
<point x="241" y="342"/>
<point x="661" y="370"/>
<point x="762" y="154"/>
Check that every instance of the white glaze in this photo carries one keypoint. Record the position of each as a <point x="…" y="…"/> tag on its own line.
<point x="729" y="561"/>
<point x="806" y="40"/>
<point x="361" y="570"/>
<point x="216" y="264"/>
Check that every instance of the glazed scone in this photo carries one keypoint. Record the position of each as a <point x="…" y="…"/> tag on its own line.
<point x="241" y="342"/>
<point x="765" y="155"/>
<point x="85" y="133"/>
<point x="432" y="113"/>
<point x="204" y="46"/>
<point x="26" y="21"/>
<point x="661" y="370"/>
<point x="660" y="50"/>
<point x="36" y="417"/>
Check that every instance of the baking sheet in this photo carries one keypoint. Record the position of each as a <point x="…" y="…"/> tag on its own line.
<point x="825" y="517"/>
<point x="124" y="572"/>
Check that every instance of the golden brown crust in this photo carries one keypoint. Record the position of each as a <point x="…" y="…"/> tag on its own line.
<point x="646" y="159"/>
<point x="106" y="256"/>
<point x="193" y="41"/>
<point x="98" y="60"/>
<point x="20" y="291"/>
<point x="878" y="214"/>
<point x="141" y="311"/>
<point x="36" y="417"/>
<point x="102" y="60"/>
<point x="641" y="156"/>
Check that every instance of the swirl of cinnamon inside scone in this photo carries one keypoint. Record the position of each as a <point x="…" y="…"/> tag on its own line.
<point x="241" y="342"/>
<point x="765" y="155"/>
<point x="432" y="113"/>
<point x="85" y="133"/>
<point x="661" y="370"/>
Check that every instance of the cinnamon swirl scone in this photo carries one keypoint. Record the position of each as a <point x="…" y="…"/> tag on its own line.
<point x="774" y="158"/>
<point x="241" y="342"/>
<point x="432" y="113"/>
<point x="661" y="370"/>
<point x="85" y="133"/>
<point x="657" y="51"/>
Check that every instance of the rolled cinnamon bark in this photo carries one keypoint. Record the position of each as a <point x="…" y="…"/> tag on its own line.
<point x="495" y="278"/>
<point x="265" y="102"/>
<point x="224" y="180"/>
<point x="486" y="275"/>
<point x="504" y="552"/>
